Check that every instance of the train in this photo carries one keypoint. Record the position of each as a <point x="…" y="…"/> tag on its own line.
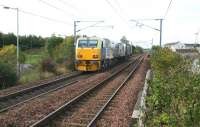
<point x="95" y="53"/>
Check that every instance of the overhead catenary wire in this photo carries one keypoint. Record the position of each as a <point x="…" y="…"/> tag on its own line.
<point x="119" y="6"/>
<point x="93" y="25"/>
<point x="168" y="8"/>
<point x="45" y="17"/>
<point x="118" y="13"/>
<point x="68" y="4"/>
<point x="41" y="16"/>
<point x="57" y="8"/>
<point x="115" y="10"/>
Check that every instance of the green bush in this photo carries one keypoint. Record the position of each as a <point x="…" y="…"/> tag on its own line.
<point x="8" y="55"/>
<point x="8" y="75"/>
<point x="174" y="92"/>
<point x="138" y="50"/>
<point x="52" y="42"/>
<point x="48" y="65"/>
<point x="70" y="53"/>
<point x="64" y="53"/>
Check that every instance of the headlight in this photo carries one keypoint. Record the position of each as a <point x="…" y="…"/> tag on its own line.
<point x="79" y="56"/>
<point x="95" y="56"/>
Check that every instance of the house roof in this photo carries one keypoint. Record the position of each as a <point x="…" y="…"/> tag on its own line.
<point x="172" y="43"/>
<point x="193" y="45"/>
<point x="186" y="50"/>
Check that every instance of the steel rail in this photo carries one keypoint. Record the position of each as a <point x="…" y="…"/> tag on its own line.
<point x="37" y="86"/>
<point x="23" y="92"/>
<point x="93" y="121"/>
<point x="37" y="96"/>
<point x="42" y="122"/>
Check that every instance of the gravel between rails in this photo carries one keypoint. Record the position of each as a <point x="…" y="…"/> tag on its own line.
<point x="118" y="113"/>
<point x="90" y="105"/>
<point x="28" y="113"/>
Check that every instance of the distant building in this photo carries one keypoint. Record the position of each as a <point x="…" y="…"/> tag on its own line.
<point x="191" y="46"/>
<point x="188" y="50"/>
<point x="179" y="46"/>
<point x="175" y="45"/>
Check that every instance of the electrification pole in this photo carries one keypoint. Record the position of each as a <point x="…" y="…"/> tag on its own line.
<point x="18" y="64"/>
<point x="160" y="30"/>
<point x="196" y="38"/>
<point x="74" y="32"/>
<point x="75" y="29"/>
<point x="161" y="20"/>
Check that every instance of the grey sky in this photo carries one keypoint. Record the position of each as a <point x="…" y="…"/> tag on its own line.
<point x="182" y="21"/>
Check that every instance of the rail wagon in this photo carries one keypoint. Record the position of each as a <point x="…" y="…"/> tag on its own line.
<point x="128" y="50"/>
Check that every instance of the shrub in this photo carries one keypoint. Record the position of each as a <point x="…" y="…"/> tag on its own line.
<point x="8" y="75"/>
<point x="173" y="99"/>
<point x="60" y="53"/>
<point x="48" y="65"/>
<point x="8" y="55"/>
<point x="70" y="52"/>
<point x="138" y="50"/>
<point x="64" y="53"/>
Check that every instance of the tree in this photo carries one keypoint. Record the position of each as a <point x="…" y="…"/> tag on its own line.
<point x="138" y="49"/>
<point x="9" y="38"/>
<point x="70" y="52"/>
<point x="124" y="40"/>
<point x="64" y="52"/>
<point x="1" y="40"/>
<point x="25" y="42"/>
<point x="52" y="42"/>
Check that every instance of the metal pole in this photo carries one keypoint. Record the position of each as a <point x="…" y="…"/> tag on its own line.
<point x="74" y="58"/>
<point x="18" y="64"/>
<point x="196" y="38"/>
<point x="3" y="42"/>
<point x="161" y="32"/>
<point x="74" y="33"/>
<point x="65" y="45"/>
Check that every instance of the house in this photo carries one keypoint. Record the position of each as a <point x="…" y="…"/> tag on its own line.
<point x="192" y="46"/>
<point x="175" y="45"/>
<point x="179" y="46"/>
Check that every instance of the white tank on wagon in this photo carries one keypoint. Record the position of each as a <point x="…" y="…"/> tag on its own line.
<point x="107" y="48"/>
<point x="120" y="50"/>
<point x="128" y="49"/>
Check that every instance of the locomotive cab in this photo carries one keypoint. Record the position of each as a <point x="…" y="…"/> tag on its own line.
<point x="93" y="54"/>
<point x="88" y="54"/>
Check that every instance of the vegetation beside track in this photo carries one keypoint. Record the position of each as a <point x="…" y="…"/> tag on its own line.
<point x="174" y="92"/>
<point x="54" y="58"/>
<point x="39" y="57"/>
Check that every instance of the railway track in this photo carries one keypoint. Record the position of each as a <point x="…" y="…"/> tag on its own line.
<point x="41" y="88"/>
<point x="19" y="97"/>
<point x="96" y="99"/>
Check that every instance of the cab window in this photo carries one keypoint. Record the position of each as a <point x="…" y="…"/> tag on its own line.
<point x="82" y="43"/>
<point x="87" y="43"/>
<point x="92" y="43"/>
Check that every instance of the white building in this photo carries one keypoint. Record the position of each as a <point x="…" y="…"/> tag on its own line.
<point x="175" y="45"/>
<point x="178" y="46"/>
